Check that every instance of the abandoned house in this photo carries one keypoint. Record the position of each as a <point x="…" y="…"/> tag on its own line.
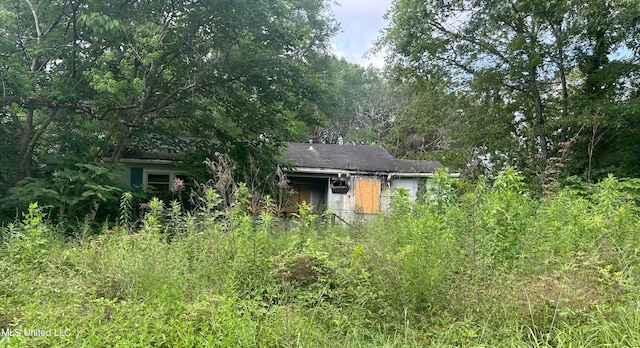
<point x="351" y="180"/>
<point x="347" y="180"/>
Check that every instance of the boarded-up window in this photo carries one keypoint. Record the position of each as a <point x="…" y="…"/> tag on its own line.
<point x="368" y="196"/>
<point x="302" y="194"/>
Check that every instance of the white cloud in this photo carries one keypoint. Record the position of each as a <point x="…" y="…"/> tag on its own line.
<point x="361" y="22"/>
<point x="336" y="52"/>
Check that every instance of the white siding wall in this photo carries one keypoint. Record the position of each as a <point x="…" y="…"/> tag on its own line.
<point x="125" y="174"/>
<point x="148" y="168"/>
<point x="410" y="184"/>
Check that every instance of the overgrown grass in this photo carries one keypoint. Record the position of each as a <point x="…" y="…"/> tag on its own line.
<point x="489" y="267"/>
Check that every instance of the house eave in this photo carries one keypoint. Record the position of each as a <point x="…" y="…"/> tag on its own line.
<point x="333" y="171"/>
<point x="340" y="172"/>
<point x="418" y="175"/>
<point x="326" y="171"/>
<point x="147" y="161"/>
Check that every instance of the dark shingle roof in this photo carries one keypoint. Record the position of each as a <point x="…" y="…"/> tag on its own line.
<point x="355" y="158"/>
<point x="363" y="158"/>
<point x="161" y="147"/>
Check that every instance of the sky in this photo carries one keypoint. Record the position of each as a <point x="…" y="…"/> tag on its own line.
<point x="361" y="22"/>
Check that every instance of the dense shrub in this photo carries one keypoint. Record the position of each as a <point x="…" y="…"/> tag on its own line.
<point x="489" y="266"/>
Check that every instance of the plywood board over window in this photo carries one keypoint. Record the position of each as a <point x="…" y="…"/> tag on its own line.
<point x="368" y="196"/>
<point x="302" y="195"/>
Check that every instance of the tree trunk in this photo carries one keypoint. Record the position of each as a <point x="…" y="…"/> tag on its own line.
<point x="539" y="117"/>
<point x="95" y="205"/>
<point x="24" y="166"/>
<point x="120" y="147"/>
<point x="28" y="142"/>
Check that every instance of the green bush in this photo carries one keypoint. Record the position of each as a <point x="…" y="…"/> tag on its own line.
<point x="69" y="188"/>
<point x="487" y="266"/>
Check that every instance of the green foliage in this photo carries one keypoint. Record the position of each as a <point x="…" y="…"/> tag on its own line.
<point x="176" y="222"/>
<point x="510" y="84"/>
<point x="507" y="210"/>
<point x="154" y="217"/>
<point x="94" y="80"/>
<point x="27" y="241"/>
<point x="306" y="221"/>
<point x="400" y="203"/>
<point x="356" y="105"/>
<point x="126" y="211"/>
<point x="429" y="125"/>
<point x="487" y="266"/>
<point x="68" y="189"/>
<point x="439" y="191"/>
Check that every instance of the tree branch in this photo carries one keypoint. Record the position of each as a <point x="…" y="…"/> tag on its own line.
<point x="43" y="126"/>
<point x="31" y="101"/>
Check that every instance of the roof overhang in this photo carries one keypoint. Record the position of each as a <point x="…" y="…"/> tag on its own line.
<point x="148" y="161"/>
<point x="419" y="175"/>
<point x="324" y="171"/>
<point x="341" y="172"/>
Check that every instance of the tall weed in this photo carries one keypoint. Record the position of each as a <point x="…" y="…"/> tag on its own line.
<point x="491" y="267"/>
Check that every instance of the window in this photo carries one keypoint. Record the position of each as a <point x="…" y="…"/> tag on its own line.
<point x="159" y="181"/>
<point x="163" y="181"/>
<point x="368" y="196"/>
<point x="339" y="186"/>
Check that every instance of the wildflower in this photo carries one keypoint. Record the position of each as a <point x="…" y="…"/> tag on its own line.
<point x="178" y="185"/>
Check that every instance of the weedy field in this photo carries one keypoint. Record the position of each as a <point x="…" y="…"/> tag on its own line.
<point x="470" y="265"/>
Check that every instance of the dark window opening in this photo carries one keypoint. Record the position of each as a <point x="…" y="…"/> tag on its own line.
<point x="159" y="181"/>
<point x="165" y="181"/>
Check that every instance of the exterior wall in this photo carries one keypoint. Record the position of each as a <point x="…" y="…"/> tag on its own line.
<point x="412" y="185"/>
<point x="125" y="174"/>
<point x="344" y="205"/>
<point x="147" y="168"/>
<point x="319" y="191"/>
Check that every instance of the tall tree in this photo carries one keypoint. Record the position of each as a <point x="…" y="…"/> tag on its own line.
<point x="606" y="102"/>
<point x="520" y="62"/>
<point x="32" y="36"/>
<point x="430" y="125"/>
<point x="142" y="66"/>
<point x="357" y="106"/>
<point x="87" y="79"/>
